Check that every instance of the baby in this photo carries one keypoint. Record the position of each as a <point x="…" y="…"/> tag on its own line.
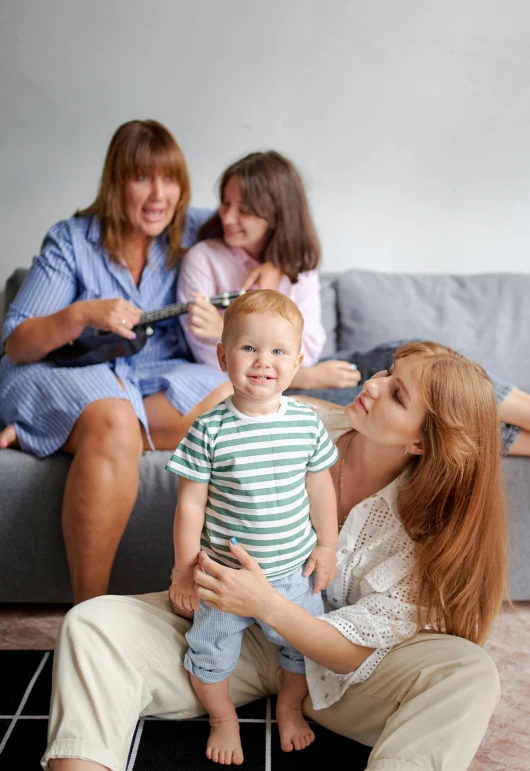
<point x="254" y="468"/>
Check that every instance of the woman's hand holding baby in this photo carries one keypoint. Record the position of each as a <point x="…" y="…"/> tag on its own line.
<point x="245" y="592"/>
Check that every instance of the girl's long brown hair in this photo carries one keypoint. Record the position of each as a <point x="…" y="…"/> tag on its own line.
<point x="272" y="189"/>
<point x="139" y="148"/>
<point x="451" y="503"/>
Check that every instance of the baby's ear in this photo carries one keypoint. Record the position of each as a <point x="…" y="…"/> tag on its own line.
<point x="299" y="360"/>
<point x="221" y="356"/>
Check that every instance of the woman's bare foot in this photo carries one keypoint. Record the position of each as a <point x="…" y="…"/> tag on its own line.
<point x="8" y="437"/>
<point x="224" y="743"/>
<point x="295" y="733"/>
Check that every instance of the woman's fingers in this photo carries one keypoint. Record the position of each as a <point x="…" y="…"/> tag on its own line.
<point x="124" y="331"/>
<point x="339" y="374"/>
<point x="207" y="595"/>
<point x="205" y="581"/>
<point x="199" y="313"/>
<point x="211" y="567"/>
<point x="201" y="304"/>
<point x="205" y="319"/>
<point x="242" y="555"/>
<point x="118" y="316"/>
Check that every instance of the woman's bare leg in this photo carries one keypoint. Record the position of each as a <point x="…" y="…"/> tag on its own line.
<point x="100" y="491"/>
<point x="515" y="409"/>
<point x="167" y="426"/>
<point x="521" y="446"/>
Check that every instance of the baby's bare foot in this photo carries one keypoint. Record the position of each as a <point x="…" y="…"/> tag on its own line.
<point x="8" y="437"/>
<point x="224" y="743"/>
<point x="295" y="733"/>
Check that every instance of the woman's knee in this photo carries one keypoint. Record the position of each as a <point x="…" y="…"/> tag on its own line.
<point x="484" y="674"/>
<point x="81" y="624"/>
<point x="110" y="427"/>
<point x="465" y="667"/>
<point x="94" y="625"/>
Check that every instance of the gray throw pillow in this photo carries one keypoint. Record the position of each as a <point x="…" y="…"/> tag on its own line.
<point x="485" y="317"/>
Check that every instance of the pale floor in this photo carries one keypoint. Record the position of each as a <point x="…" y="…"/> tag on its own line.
<point x="506" y="746"/>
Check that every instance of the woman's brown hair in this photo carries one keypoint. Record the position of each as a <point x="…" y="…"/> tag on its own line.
<point x="451" y="503"/>
<point x="272" y="189"/>
<point x="139" y="148"/>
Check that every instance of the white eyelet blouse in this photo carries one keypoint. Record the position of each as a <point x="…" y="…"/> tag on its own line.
<point x="372" y="599"/>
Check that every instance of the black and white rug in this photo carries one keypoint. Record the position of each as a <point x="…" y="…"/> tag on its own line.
<point x="158" y="745"/>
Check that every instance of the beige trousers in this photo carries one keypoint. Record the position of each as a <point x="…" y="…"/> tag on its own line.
<point x="426" y="705"/>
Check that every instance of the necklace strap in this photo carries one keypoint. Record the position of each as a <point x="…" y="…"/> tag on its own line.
<point x="344" y="515"/>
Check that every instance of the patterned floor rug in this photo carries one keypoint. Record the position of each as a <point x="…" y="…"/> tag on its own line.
<point x="158" y="744"/>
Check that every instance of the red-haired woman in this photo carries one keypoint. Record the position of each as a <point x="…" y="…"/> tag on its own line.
<point x="395" y="663"/>
<point x="100" y="269"/>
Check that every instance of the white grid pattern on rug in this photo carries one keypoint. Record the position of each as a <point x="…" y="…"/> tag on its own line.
<point x="267" y="721"/>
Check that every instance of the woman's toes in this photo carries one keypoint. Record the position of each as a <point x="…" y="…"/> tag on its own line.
<point x="8" y="436"/>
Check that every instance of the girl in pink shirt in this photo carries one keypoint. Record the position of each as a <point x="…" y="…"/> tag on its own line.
<point x="268" y="240"/>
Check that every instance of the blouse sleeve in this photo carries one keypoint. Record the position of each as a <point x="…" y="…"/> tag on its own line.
<point x="50" y="285"/>
<point x="196" y="275"/>
<point x="307" y="297"/>
<point x="378" y="620"/>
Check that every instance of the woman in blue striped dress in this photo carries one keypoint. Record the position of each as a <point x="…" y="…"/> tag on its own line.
<point x="102" y="268"/>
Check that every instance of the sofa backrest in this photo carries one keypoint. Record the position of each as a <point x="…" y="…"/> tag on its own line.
<point x="485" y="317"/>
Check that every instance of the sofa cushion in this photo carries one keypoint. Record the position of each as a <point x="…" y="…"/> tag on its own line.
<point x="328" y="296"/>
<point x="485" y="317"/>
<point x="33" y="567"/>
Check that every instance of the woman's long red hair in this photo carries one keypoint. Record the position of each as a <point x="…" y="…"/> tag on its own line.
<point x="451" y="503"/>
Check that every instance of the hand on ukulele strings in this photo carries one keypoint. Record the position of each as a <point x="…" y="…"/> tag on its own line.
<point x="205" y="319"/>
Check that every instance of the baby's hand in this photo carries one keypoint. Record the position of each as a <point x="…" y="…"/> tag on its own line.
<point x="182" y="593"/>
<point x="324" y="560"/>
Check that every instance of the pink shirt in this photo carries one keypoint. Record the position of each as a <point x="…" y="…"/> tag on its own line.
<point x="212" y="267"/>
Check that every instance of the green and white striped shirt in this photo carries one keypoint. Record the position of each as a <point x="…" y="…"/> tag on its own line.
<point x="255" y="468"/>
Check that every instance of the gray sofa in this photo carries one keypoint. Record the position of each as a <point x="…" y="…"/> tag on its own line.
<point x="483" y="316"/>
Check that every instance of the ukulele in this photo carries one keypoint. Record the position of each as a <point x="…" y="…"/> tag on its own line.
<point x="94" y="346"/>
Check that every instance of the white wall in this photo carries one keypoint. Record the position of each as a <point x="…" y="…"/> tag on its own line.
<point x="409" y="119"/>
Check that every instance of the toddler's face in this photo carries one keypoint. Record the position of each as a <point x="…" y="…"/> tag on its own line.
<point x="261" y="356"/>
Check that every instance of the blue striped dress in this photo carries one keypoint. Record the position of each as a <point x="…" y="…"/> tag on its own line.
<point x="44" y="401"/>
